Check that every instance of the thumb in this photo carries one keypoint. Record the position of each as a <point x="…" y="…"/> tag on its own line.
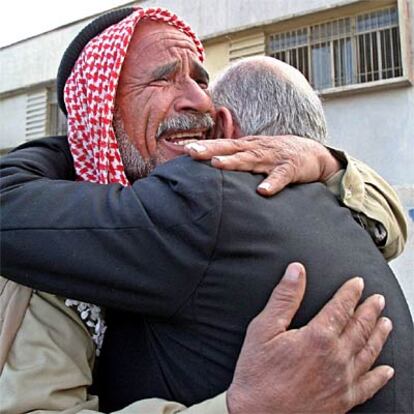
<point x="283" y="304"/>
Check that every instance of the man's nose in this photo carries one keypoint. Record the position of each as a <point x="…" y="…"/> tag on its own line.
<point x="193" y="98"/>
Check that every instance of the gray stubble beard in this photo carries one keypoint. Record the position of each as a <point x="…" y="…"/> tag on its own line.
<point x="134" y="164"/>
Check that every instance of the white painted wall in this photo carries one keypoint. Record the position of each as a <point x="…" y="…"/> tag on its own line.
<point x="35" y="60"/>
<point x="378" y="128"/>
<point x="209" y="17"/>
<point x="12" y="121"/>
<point x="24" y="67"/>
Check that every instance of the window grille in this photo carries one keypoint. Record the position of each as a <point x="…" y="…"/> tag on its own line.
<point x="351" y="50"/>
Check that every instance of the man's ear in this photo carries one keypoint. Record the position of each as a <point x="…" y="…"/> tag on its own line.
<point x="225" y="126"/>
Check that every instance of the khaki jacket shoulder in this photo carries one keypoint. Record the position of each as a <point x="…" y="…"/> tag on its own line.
<point x="48" y="367"/>
<point x="362" y="190"/>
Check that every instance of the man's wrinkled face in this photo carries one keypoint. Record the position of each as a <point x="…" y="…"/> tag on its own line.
<point x="162" y="101"/>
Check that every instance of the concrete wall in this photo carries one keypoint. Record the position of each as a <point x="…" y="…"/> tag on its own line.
<point x="378" y="128"/>
<point x="209" y="18"/>
<point x="26" y="66"/>
<point x="35" y="60"/>
<point x="12" y="121"/>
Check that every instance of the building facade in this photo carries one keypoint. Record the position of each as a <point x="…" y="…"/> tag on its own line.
<point x="359" y="55"/>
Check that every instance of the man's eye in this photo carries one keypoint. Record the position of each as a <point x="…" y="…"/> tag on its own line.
<point x="160" y="81"/>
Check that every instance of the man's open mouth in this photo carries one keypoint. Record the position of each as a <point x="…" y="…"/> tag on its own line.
<point x="184" y="138"/>
<point x="180" y="130"/>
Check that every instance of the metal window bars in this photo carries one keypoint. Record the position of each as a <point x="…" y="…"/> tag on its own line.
<point x="358" y="49"/>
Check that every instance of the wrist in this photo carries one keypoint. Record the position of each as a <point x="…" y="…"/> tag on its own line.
<point x="329" y="163"/>
<point x="246" y="400"/>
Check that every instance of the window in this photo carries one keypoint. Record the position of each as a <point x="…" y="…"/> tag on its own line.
<point x="351" y="50"/>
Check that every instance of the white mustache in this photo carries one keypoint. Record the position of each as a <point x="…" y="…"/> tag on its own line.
<point x="185" y="122"/>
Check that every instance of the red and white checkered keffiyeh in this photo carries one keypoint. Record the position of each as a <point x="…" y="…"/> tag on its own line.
<point x="90" y="94"/>
<point x="89" y="98"/>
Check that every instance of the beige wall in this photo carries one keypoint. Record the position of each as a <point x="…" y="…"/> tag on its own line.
<point x="217" y="57"/>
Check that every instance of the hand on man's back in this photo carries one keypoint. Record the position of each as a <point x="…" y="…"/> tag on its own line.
<point x="285" y="159"/>
<point x="324" y="367"/>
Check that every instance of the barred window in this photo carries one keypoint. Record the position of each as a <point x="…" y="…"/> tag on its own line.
<point x="346" y="51"/>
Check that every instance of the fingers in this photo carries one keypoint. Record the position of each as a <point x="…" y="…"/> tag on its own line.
<point x="244" y="155"/>
<point x="336" y="314"/>
<point x="359" y="329"/>
<point x="279" y="178"/>
<point x="370" y="352"/>
<point x="241" y="161"/>
<point x="370" y="383"/>
<point x="205" y="150"/>
<point x="283" y="303"/>
<point x="286" y="159"/>
<point x="252" y="160"/>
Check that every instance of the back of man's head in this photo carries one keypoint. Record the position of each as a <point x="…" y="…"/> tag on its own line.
<point x="269" y="97"/>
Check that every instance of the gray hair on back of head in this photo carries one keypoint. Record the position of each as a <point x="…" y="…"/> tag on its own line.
<point x="264" y="102"/>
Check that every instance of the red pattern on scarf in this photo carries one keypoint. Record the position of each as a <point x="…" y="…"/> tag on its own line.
<point x="90" y="96"/>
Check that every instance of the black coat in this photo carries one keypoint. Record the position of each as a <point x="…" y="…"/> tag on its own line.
<point x="183" y="260"/>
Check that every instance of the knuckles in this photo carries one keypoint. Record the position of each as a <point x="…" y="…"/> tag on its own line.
<point x="286" y="169"/>
<point x="363" y="329"/>
<point x="370" y="352"/>
<point x="324" y="342"/>
<point x="258" y="154"/>
<point x="240" y="144"/>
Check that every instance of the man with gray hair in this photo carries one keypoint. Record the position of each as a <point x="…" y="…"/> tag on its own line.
<point x="269" y="97"/>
